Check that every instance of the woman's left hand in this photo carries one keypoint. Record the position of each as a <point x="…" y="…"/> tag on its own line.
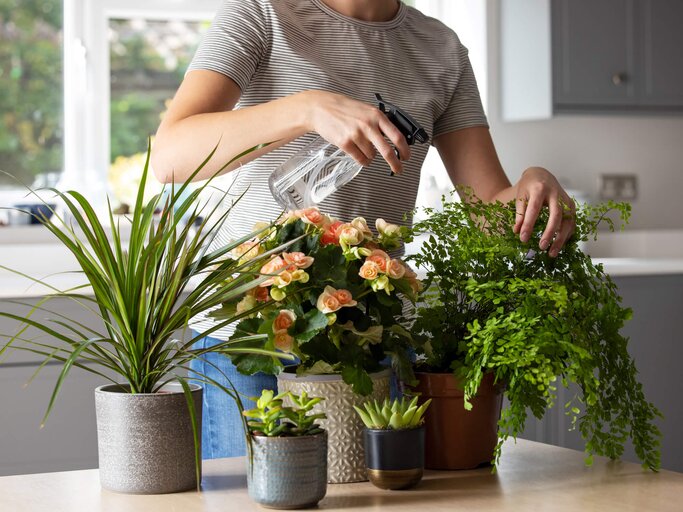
<point x="538" y="187"/>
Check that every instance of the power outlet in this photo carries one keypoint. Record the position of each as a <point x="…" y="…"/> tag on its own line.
<point x="618" y="187"/>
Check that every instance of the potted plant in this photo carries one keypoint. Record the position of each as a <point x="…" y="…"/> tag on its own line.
<point x="499" y="317"/>
<point x="144" y="291"/>
<point x="336" y="299"/>
<point x="287" y="466"/>
<point x="394" y="442"/>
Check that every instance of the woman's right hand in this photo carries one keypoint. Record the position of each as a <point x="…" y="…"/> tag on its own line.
<point x="359" y="129"/>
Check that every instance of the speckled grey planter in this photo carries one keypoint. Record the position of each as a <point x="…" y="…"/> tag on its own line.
<point x="346" y="456"/>
<point x="145" y="441"/>
<point x="288" y="472"/>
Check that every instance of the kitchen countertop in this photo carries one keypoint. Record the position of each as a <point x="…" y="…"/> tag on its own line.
<point x="635" y="253"/>
<point x="531" y="476"/>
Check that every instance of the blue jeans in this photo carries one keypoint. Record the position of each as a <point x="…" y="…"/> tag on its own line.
<point x="222" y="428"/>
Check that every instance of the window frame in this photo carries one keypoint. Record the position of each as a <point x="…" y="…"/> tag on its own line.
<point x="87" y="123"/>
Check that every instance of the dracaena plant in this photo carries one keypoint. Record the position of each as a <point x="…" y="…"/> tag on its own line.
<point x="271" y="418"/>
<point x="495" y="304"/>
<point x="144" y="291"/>
<point x="397" y="414"/>
<point x="335" y="298"/>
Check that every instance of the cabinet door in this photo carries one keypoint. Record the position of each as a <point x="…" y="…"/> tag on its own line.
<point x="662" y="77"/>
<point x="594" y="53"/>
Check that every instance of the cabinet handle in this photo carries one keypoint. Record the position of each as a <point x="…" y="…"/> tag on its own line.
<point x="619" y="79"/>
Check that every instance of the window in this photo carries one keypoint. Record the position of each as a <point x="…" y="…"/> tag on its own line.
<point x="147" y="62"/>
<point x="31" y="115"/>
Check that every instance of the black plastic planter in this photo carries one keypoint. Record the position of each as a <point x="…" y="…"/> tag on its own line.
<point x="395" y="458"/>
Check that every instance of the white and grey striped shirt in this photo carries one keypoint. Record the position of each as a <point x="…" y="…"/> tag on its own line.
<point x="274" y="48"/>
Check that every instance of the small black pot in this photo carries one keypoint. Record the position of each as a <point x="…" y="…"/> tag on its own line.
<point x="395" y="458"/>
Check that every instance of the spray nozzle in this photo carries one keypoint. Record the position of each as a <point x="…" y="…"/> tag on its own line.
<point x="410" y="128"/>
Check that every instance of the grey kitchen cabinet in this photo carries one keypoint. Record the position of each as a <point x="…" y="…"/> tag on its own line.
<point x="69" y="439"/>
<point x="661" y="82"/>
<point x="656" y="344"/>
<point x="612" y="55"/>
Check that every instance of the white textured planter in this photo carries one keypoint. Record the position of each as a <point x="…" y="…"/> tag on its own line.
<point x="345" y="454"/>
<point x="145" y="441"/>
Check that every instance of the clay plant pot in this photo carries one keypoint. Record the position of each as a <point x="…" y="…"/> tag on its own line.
<point x="455" y="437"/>
<point x="288" y="472"/>
<point x="395" y="458"/>
<point x="345" y="456"/>
<point x="145" y="440"/>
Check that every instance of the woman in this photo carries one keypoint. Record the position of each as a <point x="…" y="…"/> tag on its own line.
<point x="286" y="70"/>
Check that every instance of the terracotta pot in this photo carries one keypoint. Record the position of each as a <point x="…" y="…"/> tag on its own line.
<point x="345" y="456"/>
<point x="455" y="437"/>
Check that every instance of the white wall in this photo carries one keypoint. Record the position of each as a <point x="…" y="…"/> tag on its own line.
<point x="580" y="148"/>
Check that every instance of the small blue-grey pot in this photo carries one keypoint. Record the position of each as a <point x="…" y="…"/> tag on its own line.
<point x="288" y="472"/>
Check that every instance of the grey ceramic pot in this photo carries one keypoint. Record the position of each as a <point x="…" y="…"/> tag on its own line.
<point x="288" y="472"/>
<point x="145" y="441"/>
<point x="346" y="456"/>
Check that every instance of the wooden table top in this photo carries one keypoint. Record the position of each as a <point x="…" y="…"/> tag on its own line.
<point x="531" y="477"/>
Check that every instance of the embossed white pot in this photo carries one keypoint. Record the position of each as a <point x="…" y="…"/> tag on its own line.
<point x="345" y="454"/>
<point x="145" y="441"/>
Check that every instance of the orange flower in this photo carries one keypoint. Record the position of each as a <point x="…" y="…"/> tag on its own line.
<point x="297" y="259"/>
<point x="284" y="341"/>
<point x="311" y="216"/>
<point x="331" y="300"/>
<point x="350" y="235"/>
<point x="273" y="267"/>
<point x="284" y="320"/>
<point x="345" y="298"/>
<point x="370" y="270"/>
<point x="328" y="303"/>
<point x="331" y="233"/>
<point x="381" y="258"/>
<point x="396" y="269"/>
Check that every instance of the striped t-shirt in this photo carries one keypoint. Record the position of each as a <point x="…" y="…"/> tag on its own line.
<point x="274" y="48"/>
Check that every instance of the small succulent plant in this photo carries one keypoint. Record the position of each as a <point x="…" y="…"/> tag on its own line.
<point x="393" y="415"/>
<point x="272" y="418"/>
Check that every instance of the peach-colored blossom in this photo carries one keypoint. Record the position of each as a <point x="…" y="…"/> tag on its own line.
<point x="273" y="267"/>
<point x="369" y="270"/>
<point x="349" y="235"/>
<point x="283" y="341"/>
<point x="247" y="251"/>
<point x="312" y="215"/>
<point x="361" y="225"/>
<point x="284" y="320"/>
<point x="387" y="229"/>
<point x="381" y="258"/>
<point x="328" y="303"/>
<point x="344" y="297"/>
<point x="297" y="259"/>
<point x="396" y="269"/>
<point x="331" y="233"/>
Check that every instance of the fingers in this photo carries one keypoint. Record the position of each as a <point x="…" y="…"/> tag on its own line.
<point x="361" y="153"/>
<point x="568" y="209"/>
<point x="387" y="152"/>
<point x="533" y="208"/>
<point x="520" y="208"/>
<point x="554" y="222"/>
<point x="395" y="136"/>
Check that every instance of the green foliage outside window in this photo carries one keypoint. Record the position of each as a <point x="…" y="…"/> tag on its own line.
<point x="31" y="85"/>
